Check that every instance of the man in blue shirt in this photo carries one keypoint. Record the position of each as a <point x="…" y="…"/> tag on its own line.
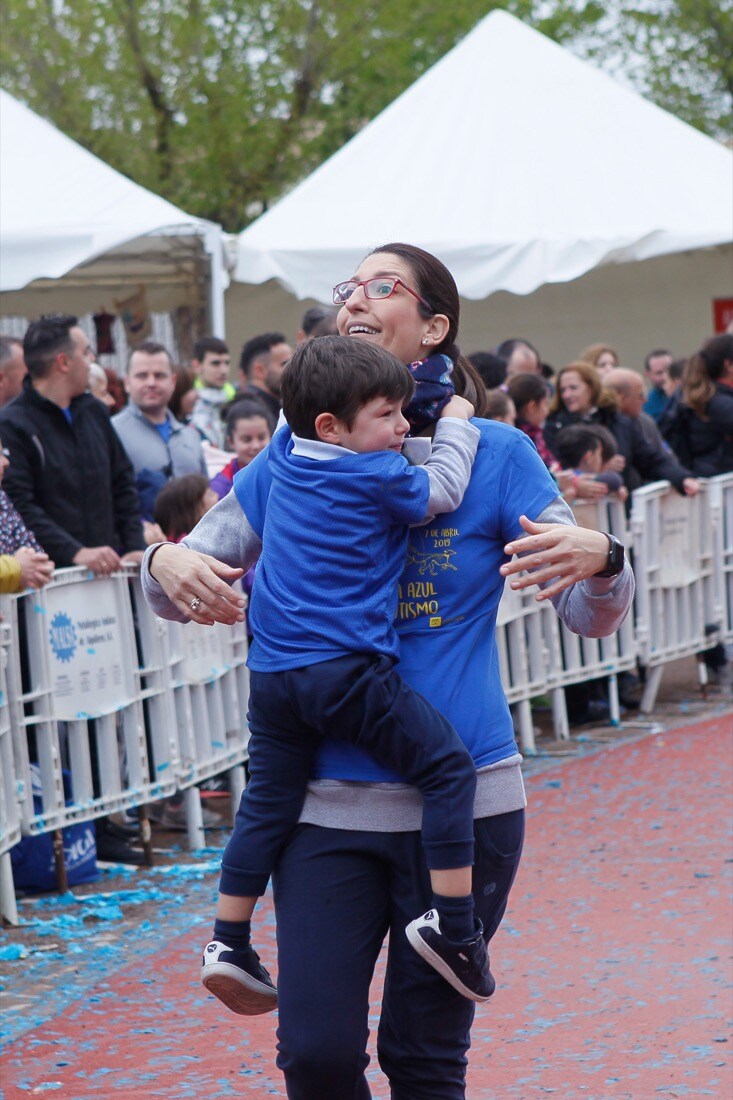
<point x="159" y="446"/>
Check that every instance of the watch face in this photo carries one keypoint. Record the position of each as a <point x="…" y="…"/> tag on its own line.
<point x="615" y="561"/>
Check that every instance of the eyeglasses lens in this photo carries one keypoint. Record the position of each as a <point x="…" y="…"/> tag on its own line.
<point x="379" y="288"/>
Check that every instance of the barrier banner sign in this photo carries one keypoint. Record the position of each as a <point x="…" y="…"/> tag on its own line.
<point x="90" y="672"/>
<point x="678" y="560"/>
<point x="204" y="660"/>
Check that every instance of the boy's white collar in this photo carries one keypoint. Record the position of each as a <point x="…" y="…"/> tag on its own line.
<point x="316" y="448"/>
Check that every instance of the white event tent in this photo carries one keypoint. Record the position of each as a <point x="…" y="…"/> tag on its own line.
<point x="74" y="232"/>
<point x="521" y="167"/>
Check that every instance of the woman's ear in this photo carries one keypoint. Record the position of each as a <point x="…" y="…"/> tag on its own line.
<point x="328" y="428"/>
<point x="437" y="329"/>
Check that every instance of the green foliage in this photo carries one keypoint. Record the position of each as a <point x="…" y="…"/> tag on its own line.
<point x="223" y="105"/>
<point x="687" y="52"/>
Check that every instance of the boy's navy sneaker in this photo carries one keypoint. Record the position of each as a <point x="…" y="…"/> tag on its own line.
<point x="464" y="965"/>
<point x="238" y="979"/>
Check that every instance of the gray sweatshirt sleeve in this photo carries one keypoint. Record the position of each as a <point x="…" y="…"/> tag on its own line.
<point x="225" y="533"/>
<point x="596" y="607"/>
<point x="449" y="465"/>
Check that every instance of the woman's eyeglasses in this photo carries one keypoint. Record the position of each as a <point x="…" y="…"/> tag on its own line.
<point x="376" y="289"/>
<point x="5" y="453"/>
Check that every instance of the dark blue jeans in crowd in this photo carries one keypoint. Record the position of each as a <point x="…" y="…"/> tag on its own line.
<point x="361" y="699"/>
<point x="337" y="894"/>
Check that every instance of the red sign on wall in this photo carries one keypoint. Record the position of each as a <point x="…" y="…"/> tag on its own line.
<point x="722" y="314"/>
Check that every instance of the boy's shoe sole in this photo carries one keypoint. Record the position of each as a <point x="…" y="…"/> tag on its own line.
<point x="426" y="952"/>
<point x="226" y="983"/>
<point x="235" y="979"/>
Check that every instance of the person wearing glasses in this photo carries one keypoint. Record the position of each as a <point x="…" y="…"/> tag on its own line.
<point x="354" y="870"/>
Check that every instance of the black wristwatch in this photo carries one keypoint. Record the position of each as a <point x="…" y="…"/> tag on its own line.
<point x="615" y="560"/>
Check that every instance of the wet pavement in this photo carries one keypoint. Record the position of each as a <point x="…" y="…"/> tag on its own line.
<point x="613" y="963"/>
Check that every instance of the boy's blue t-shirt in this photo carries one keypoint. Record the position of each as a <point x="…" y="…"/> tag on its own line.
<point x="334" y="537"/>
<point x="448" y="597"/>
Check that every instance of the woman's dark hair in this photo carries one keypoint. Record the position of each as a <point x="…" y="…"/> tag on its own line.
<point x="525" y="388"/>
<point x="704" y="369"/>
<point x="178" y="505"/>
<point x="244" y="408"/>
<point x="434" y="283"/>
<point x="340" y="375"/>
<point x="492" y="368"/>
<point x="185" y="378"/>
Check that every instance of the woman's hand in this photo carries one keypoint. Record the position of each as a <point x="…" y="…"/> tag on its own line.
<point x="458" y="406"/>
<point x="555" y="551"/>
<point x="36" y="569"/>
<point x="187" y="576"/>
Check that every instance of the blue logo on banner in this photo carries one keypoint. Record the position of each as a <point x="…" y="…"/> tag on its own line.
<point x="63" y="637"/>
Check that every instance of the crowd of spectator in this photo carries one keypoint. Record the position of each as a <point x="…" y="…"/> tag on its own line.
<point x="95" y="467"/>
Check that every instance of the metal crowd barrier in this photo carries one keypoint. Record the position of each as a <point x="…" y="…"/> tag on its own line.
<point x="677" y="613"/>
<point x="9" y="802"/>
<point x="207" y="681"/>
<point x="721" y="503"/>
<point x="116" y="707"/>
<point x="524" y="659"/>
<point x="573" y="659"/>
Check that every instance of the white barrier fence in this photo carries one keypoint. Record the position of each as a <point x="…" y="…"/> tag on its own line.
<point x="128" y="708"/>
<point x="721" y="494"/>
<point x="677" y="576"/>
<point x="116" y="707"/>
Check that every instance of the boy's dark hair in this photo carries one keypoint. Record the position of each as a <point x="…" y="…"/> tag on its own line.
<point x="45" y="339"/>
<point x="209" y="344"/>
<point x="257" y="346"/>
<point x="339" y="374"/>
<point x="491" y="368"/>
<point x="573" y="442"/>
<point x="607" y="438"/>
<point x="178" y="505"/>
<point x="498" y="404"/>
<point x="244" y="408"/>
<point x="525" y="388"/>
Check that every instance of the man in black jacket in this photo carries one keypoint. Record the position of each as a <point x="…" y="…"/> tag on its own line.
<point x="69" y="476"/>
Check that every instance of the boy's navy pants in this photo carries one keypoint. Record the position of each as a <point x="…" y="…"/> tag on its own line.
<point x="361" y="699"/>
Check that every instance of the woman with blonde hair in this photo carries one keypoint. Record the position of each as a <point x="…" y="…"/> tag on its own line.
<point x="601" y="356"/>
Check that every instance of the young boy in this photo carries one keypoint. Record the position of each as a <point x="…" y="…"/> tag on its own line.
<point x="211" y="362"/>
<point x="334" y="539"/>
<point x="579" y="447"/>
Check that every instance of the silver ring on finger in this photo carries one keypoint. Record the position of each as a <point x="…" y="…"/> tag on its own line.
<point x="195" y="604"/>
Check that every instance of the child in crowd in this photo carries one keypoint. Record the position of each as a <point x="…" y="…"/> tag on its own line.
<point x="501" y="407"/>
<point x="23" y="564"/>
<point x="249" y="429"/>
<point x="582" y="448"/>
<point x="211" y="363"/>
<point x="532" y="401"/>
<point x="181" y="503"/>
<point x="334" y="540"/>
